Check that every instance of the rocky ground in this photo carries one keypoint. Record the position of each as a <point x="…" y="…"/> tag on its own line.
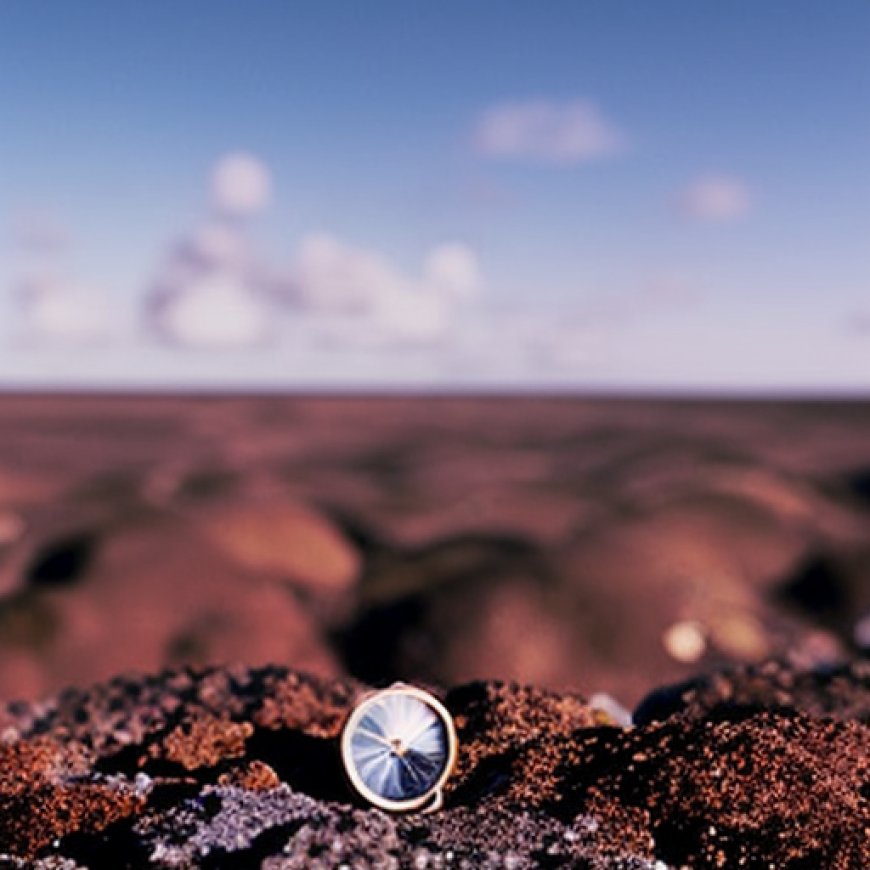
<point x="599" y="548"/>
<point x="760" y="767"/>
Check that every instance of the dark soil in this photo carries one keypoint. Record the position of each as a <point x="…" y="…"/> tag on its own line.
<point x="239" y="768"/>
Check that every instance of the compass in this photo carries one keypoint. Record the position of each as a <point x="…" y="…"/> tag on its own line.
<point x="399" y="746"/>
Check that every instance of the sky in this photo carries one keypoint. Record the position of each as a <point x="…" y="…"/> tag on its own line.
<point x="580" y="195"/>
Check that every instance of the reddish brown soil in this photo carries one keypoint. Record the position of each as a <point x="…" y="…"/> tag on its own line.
<point x="586" y="546"/>
<point x="241" y="769"/>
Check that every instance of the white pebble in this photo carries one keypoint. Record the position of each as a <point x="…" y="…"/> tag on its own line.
<point x="685" y="641"/>
<point x="609" y="705"/>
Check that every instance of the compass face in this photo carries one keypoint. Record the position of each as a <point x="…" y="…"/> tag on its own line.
<point x="399" y="747"/>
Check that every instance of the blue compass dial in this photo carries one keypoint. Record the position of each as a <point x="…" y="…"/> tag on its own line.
<point x="399" y="747"/>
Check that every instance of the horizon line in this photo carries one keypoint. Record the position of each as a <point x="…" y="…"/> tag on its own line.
<point x="482" y="391"/>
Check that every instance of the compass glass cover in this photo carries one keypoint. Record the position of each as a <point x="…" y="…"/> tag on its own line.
<point x="399" y="747"/>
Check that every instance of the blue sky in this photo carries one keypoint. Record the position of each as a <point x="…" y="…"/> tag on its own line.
<point x="561" y="195"/>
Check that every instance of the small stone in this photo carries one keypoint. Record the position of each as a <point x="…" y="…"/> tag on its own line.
<point x="685" y="641"/>
<point x="617" y="714"/>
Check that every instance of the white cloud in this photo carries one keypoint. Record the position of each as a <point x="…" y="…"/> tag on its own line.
<point x="54" y="307"/>
<point x="333" y="277"/>
<point x="540" y="130"/>
<point x="206" y="295"/>
<point x="454" y="269"/>
<point x="60" y="310"/>
<point x="212" y="292"/>
<point x="241" y="185"/>
<point x="716" y="198"/>
<point x="213" y="311"/>
<point x="412" y="318"/>
<point x="360" y="298"/>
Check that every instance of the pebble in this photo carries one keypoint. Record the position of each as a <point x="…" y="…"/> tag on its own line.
<point x="618" y="714"/>
<point x="685" y="641"/>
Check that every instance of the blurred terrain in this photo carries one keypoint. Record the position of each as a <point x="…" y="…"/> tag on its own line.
<point x="601" y="545"/>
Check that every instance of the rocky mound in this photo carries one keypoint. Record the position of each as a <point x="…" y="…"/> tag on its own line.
<point x="606" y="545"/>
<point x="239" y="767"/>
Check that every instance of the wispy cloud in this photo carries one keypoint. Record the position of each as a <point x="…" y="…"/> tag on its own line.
<point x="716" y="198"/>
<point x="515" y="345"/>
<point x="546" y="131"/>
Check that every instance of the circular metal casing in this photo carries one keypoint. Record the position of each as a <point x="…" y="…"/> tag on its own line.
<point x="375" y="704"/>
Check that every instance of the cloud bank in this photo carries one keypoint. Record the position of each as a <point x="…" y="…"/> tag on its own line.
<point x="333" y="305"/>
